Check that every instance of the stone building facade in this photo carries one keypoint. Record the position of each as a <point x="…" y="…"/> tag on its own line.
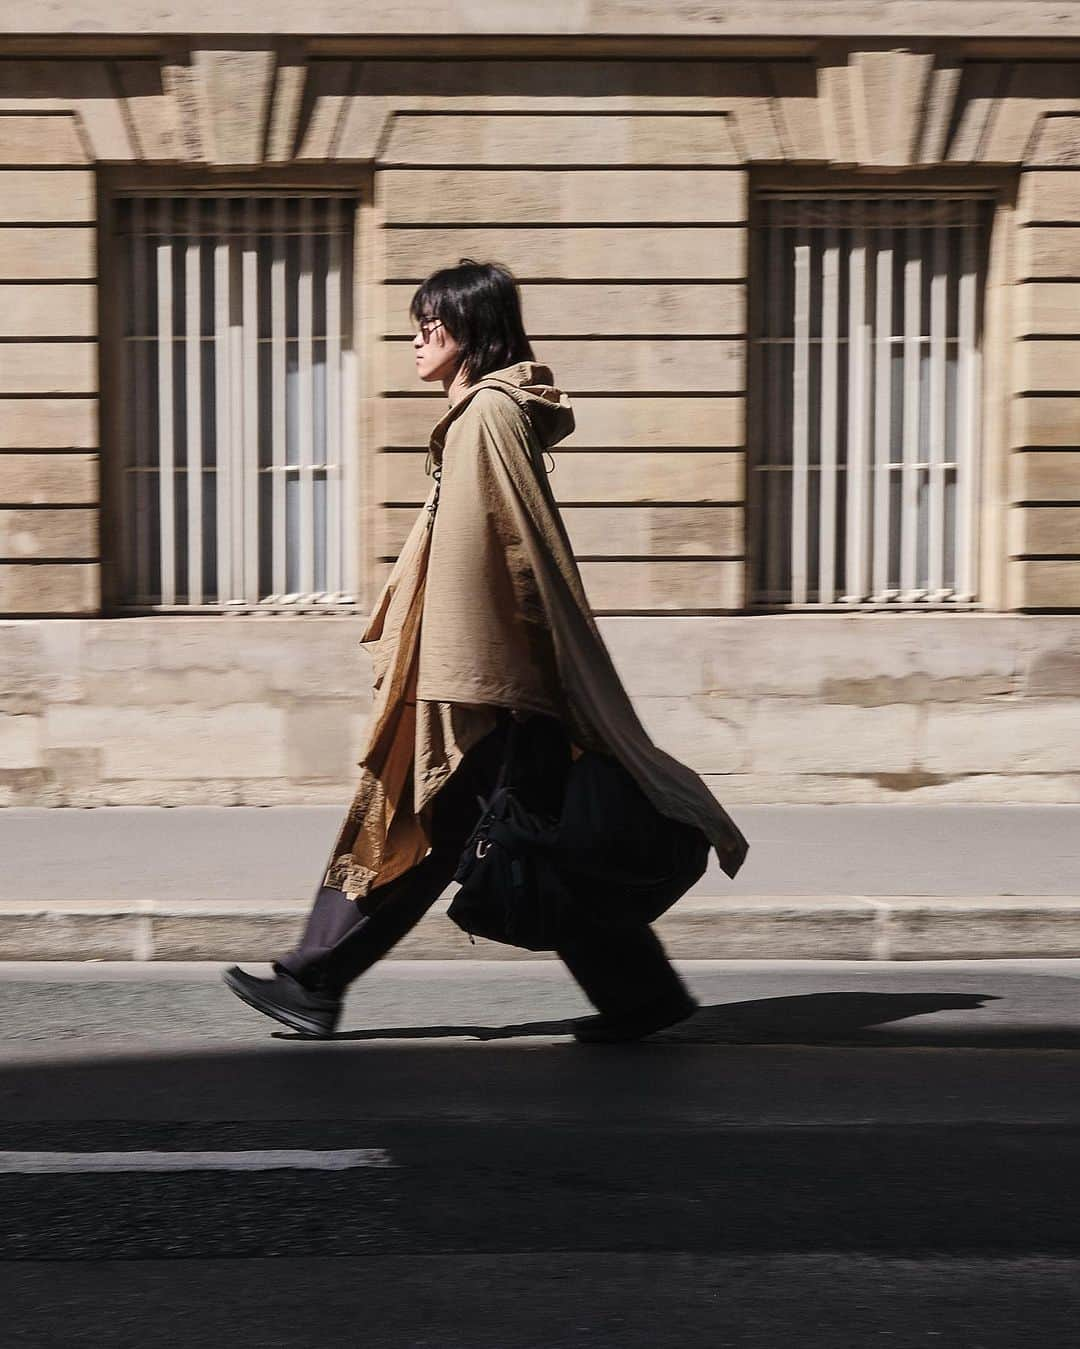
<point x="809" y="281"/>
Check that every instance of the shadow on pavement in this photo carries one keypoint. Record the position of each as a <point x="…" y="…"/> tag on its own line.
<point x="812" y="1018"/>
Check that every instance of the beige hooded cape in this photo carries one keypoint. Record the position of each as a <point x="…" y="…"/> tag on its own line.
<point x="485" y="608"/>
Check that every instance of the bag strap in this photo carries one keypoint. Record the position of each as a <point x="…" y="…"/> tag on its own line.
<point x="511" y="750"/>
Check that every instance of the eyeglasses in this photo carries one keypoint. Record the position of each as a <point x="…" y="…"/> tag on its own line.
<point x="427" y="326"/>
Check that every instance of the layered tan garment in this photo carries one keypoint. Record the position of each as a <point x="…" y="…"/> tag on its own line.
<point x="485" y="608"/>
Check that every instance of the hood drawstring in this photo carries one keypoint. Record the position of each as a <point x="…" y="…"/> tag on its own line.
<point x="434" y="504"/>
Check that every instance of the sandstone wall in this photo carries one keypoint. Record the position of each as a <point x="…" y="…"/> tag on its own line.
<point x="619" y="191"/>
<point x="883" y="708"/>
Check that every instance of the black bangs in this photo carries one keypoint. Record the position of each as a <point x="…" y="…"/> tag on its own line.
<point x="480" y="304"/>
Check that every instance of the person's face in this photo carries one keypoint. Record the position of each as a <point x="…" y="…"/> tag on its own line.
<point x="437" y="353"/>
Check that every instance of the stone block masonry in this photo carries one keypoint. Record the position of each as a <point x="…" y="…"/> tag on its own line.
<point x="896" y="708"/>
<point x="621" y="191"/>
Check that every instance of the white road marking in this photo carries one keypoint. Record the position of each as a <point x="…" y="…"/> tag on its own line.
<point x="272" y="1159"/>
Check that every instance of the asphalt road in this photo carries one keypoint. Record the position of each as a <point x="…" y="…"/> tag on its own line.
<point x="826" y="1154"/>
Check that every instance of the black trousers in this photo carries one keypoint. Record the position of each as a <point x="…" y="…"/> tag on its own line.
<point x="617" y="967"/>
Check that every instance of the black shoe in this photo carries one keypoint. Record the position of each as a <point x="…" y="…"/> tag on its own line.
<point x="286" y="1000"/>
<point x="614" y="1027"/>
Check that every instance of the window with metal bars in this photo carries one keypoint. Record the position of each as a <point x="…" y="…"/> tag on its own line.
<point x="237" y="463"/>
<point x="864" y="453"/>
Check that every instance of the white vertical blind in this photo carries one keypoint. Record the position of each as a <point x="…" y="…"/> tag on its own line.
<point x="882" y="400"/>
<point x="770" y="377"/>
<point x="305" y="426"/>
<point x="867" y="356"/>
<point x="224" y="397"/>
<point x="332" y="302"/>
<point x="830" y="340"/>
<point x="237" y="372"/>
<point x="249" y="469"/>
<point x="801" y="431"/>
<point x="967" y="405"/>
<point x="914" y="324"/>
<point x="234" y="447"/>
<point x="139" y="518"/>
<point x="279" y="374"/>
<point x="166" y="401"/>
<point x="860" y="373"/>
<point x="193" y="402"/>
<point x="938" y="429"/>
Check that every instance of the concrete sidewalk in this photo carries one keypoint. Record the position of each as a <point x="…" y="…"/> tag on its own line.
<point x="841" y="882"/>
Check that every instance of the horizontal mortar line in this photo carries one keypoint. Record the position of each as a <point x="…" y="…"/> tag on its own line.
<point x="51" y="561"/>
<point x="648" y="504"/>
<point x="402" y="338"/>
<point x="39" y="166"/>
<point x="644" y="281"/>
<point x="1046" y="505"/>
<point x="596" y="449"/>
<point x="40" y="339"/>
<point x="566" y="225"/>
<point x="12" y="397"/>
<point x="48" y="224"/>
<point x="1047" y="449"/>
<point x="526" y="280"/>
<point x="601" y="612"/>
<point x="718" y="395"/>
<point x="271" y="1159"/>
<point x="578" y="166"/>
<point x="48" y="505"/>
<point x="660" y="557"/>
<point x="46" y="281"/>
<point x="436" y="113"/>
<point x="1045" y="557"/>
<point x="630" y="557"/>
<point x="346" y="49"/>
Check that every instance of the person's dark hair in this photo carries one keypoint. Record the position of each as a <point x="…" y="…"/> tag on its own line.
<point x="480" y="304"/>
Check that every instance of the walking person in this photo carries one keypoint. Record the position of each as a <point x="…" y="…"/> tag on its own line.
<point x="483" y="621"/>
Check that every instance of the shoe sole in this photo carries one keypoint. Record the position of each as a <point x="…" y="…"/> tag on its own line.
<point x="291" y="1019"/>
<point x="586" y="1037"/>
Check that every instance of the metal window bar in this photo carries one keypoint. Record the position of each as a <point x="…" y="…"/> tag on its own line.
<point x="867" y="361"/>
<point x="238" y="372"/>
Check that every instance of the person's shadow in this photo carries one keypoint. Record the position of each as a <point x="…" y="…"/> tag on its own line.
<point x="805" y="1019"/>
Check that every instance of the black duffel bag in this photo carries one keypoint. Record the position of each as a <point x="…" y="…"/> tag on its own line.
<point x="527" y="877"/>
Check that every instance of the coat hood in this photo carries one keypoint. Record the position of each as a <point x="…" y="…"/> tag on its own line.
<point x="533" y="388"/>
